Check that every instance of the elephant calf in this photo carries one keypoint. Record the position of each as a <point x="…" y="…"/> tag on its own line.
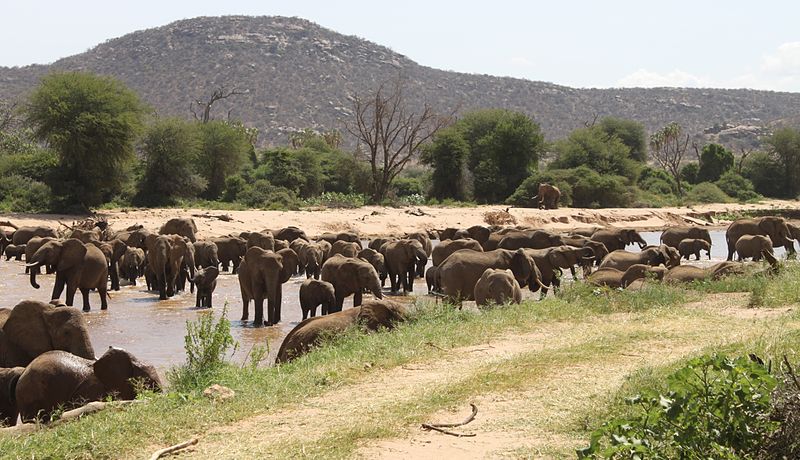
<point x="15" y="251"/>
<point x="749" y="246"/>
<point x="314" y="293"/>
<point x="692" y="246"/>
<point x="205" y="281"/>
<point x="498" y="287"/>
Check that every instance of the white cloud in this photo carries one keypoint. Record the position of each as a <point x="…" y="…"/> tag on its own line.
<point x="777" y="71"/>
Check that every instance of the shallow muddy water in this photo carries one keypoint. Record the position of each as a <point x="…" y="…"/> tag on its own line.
<point x="154" y="330"/>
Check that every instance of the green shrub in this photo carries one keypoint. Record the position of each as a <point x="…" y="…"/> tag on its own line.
<point x="580" y="187"/>
<point x="689" y="172"/>
<point x="21" y="194"/>
<point x="737" y="186"/>
<point x="261" y="194"/>
<point x="405" y="186"/>
<point x="36" y="164"/>
<point x="337" y="200"/>
<point x="766" y="173"/>
<point x="714" y="407"/>
<point x="706" y="192"/>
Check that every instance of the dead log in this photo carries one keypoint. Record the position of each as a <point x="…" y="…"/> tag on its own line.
<point x="168" y="450"/>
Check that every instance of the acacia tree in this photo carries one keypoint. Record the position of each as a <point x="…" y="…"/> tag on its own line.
<point x="391" y="132"/>
<point x="92" y="122"/>
<point x="668" y="146"/>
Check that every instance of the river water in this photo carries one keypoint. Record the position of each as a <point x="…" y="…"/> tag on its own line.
<point x="154" y="330"/>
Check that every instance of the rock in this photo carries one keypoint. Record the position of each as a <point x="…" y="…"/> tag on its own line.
<point x="218" y="392"/>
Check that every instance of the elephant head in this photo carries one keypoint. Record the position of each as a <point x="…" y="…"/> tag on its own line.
<point x="64" y="255"/>
<point x="479" y="233"/>
<point x="415" y="251"/>
<point x="526" y="272"/>
<point x="37" y="327"/>
<point x="121" y="373"/>
<point x="568" y="256"/>
<point x="630" y="236"/>
<point x="290" y="263"/>
<point x="702" y="245"/>
<point x="777" y="230"/>
<point x="368" y="278"/>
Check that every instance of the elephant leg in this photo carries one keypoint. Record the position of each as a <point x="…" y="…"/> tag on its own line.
<point x="357" y="298"/>
<point x="71" y="289"/>
<point x="339" y="304"/>
<point x="58" y="287"/>
<point x="259" y="312"/>
<point x="408" y="280"/>
<point x="731" y="250"/>
<point x="102" y="289"/>
<point x="199" y="300"/>
<point x="85" y="294"/>
<point x="114" y="275"/>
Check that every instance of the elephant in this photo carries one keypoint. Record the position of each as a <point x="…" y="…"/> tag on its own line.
<point x="537" y="239"/>
<point x="230" y="250"/>
<point x="430" y="279"/>
<point x="32" y="246"/>
<point x="377" y="243"/>
<point x="206" y="254"/>
<point x="613" y="278"/>
<point x="158" y="263"/>
<point x="261" y="240"/>
<point x="261" y="275"/>
<point x="349" y="237"/>
<point x="618" y="238"/>
<point x="689" y="246"/>
<point x="445" y="248"/>
<point x="350" y="275"/>
<point x="78" y="266"/>
<point x="598" y="249"/>
<point x="61" y="380"/>
<point x="480" y="234"/>
<point x="114" y="250"/>
<point x="86" y="236"/>
<point x="773" y="227"/>
<point x="751" y="246"/>
<point x="458" y="274"/>
<point x="32" y="328"/>
<point x="298" y="245"/>
<point x="689" y="273"/>
<point x="134" y="237"/>
<point x="497" y="287"/>
<point x="314" y="293"/>
<point x="494" y="239"/>
<point x="290" y="234"/>
<point x="423" y="238"/>
<point x="8" y="398"/>
<point x="345" y="248"/>
<point x="551" y="261"/>
<point x="183" y="226"/>
<point x="12" y="250"/>
<point x="23" y="234"/>
<point x="132" y="264"/>
<point x="313" y="256"/>
<point x="377" y="260"/>
<point x="547" y="196"/>
<point x="205" y="279"/>
<point x="404" y="258"/>
<point x="179" y="260"/>
<point x="309" y="333"/>
<point x="451" y="233"/>
<point x="290" y="262"/>
<point x="280" y="244"/>
<point x="674" y="235"/>
<point x="622" y="259"/>
<point x="326" y="249"/>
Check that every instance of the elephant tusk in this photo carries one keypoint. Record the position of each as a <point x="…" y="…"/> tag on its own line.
<point x="588" y="258"/>
<point x="543" y="286"/>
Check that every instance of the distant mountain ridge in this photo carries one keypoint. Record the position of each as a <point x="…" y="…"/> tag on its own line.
<point x="298" y="74"/>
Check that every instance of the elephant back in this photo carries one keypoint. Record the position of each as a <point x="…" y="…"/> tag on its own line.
<point x="309" y="332"/>
<point x="183" y="226"/>
<point x="36" y="327"/>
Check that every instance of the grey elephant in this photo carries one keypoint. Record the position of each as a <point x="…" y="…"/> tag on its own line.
<point x="206" y="254"/>
<point x="61" y="380"/>
<point x="32" y="328"/>
<point x="773" y="227"/>
<point x="621" y="259"/>
<point x="404" y="259"/>
<point x="14" y="251"/>
<point x="345" y="248"/>
<point x="674" y="235"/>
<point x="230" y="250"/>
<point x="23" y="234"/>
<point x="313" y="255"/>
<point x="205" y="280"/>
<point x="132" y="265"/>
<point x="497" y="287"/>
<point x="183" y="226"/>
<point x="537" y="239"/>
<point x="547" y="196"/>
<point x="32" y="246"/>
<point x="424" y="240"/>
<point x="263" y="240"/>
<point x="78" y="266"/>
<point x="692" y="246"/>
<point x="372" y="315"/>
<point x="689" y="273"/>
<point x="350" y="276"/>
<point x="430" y="279"/>
<point x="261" y="276"/>
<point x="314" y="293"/>
<point x="618" y="238"/>
<point x="377" y="260"/>
<point x="445" y="248"/>
<point x="752" y="246"/>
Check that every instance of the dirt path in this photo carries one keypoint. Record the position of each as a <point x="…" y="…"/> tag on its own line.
<point x="531" y="390"/>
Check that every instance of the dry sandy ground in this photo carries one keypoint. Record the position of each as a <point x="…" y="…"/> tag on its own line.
<point x="572" y="366"/>
<point x="374" y="221"/>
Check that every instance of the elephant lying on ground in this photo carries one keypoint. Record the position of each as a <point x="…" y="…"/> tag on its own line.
<point x="613" y="278"/>
<point x="621" y="259"/>
<point x="689" y="273"/>
<point x="61" y="380"/>
<point x="32" y="328"/>
<point x="497" y="287"/>
<point x="372" y="315"/>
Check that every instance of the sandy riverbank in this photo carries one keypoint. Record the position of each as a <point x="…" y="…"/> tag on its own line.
<point x="373" y="221"/>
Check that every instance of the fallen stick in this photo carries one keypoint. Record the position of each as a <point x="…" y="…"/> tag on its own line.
<point x="222" y="217"/>
<point x="451" y="433"/>
<point x="168" y="450"/>
<point x="440" y="427"/>
<point x="89" y="408"/>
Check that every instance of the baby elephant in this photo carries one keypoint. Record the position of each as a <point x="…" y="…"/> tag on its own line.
<point x="315" y="292"/>
<point x="752" y="245"/>
<point x="690" y="246"/>
<point x="497" y="286"/>
<point x="205" y="280"/>
<point x="15" y="251"/>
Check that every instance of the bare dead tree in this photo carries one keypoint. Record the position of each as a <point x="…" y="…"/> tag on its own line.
<point x="668" y="147"/>
<point x="744" y="153"/>
<point x="391" y="132"/>
<point x="218" y="94"/>
<point x="589" y="124"/>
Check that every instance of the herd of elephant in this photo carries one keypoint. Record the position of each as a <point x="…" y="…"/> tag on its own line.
<point x="42" y="343"/>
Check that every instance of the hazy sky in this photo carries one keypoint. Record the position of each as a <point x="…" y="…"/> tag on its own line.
<point x="700" y="43"/>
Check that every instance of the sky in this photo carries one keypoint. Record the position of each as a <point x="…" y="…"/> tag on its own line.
<point x="586" y="44"/>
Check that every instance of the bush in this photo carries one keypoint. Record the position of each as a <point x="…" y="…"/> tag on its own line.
<point x="714" y="407"/>
<point x="706" y="192"/>
<point x="689" y="173"/>
<point x="337" y="200"/>
<point x="206" y="344"/>
<point x="736" y="186"/>
<point x="581" y="187"/>
<point x="405" y="186"/>
<point x="36" y="164"/>
<point x="21" y="194"/>
<point x="263" y="195"/>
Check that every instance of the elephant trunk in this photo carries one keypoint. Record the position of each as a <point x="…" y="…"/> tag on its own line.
<point x="34" y="268"/>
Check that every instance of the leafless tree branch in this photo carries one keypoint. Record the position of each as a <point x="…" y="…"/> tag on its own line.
<point x="218" y="94"/>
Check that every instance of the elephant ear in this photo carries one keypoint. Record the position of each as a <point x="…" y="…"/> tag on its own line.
<point x="72" y="253"/>
<point x="768" y="225"/>
<point x="68" y="331"/>
<point x="522" y="267"/>
<point x="26" y="328"/>
<point x="114" y="369"/>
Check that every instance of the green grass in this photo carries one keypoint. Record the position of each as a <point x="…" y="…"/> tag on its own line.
<point x="174" y="417"/>
<point x="765" y="290"/>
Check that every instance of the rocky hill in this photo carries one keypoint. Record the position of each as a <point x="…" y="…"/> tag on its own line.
<point x="297" y="74"/>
